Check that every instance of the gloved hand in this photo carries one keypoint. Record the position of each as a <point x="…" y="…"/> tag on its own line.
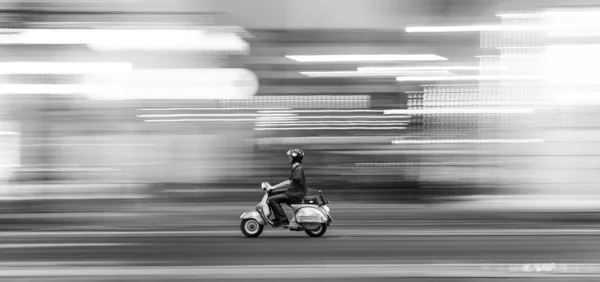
<point x="266" y="186"/>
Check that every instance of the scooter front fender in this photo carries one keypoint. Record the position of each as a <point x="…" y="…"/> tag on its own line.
<point x="253" y="214"/>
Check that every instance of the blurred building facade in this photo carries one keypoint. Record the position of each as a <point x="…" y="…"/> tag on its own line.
<point x="76" y="108"/>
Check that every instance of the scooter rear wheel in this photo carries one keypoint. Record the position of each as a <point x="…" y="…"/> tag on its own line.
<point x="251" y="227"/>
<point x="317" y="232"/>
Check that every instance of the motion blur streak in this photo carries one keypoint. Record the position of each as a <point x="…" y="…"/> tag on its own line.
<point x="321" y="111"/>
<point x="260" y="123"/>
<point x="337" y="117"/>
<point x="212" y="109"/>
<point x="472" y="28"/>
<point x="13" y="68"/>
<point x="362" y="58"/>
<point x="213" y="115"/>
<point x="462" y="111"/>
<point x="199" y="120"/>
<point x="469" y="77"/>
<point x="428" y="68"/>
<point x="453" y="140"/>
<point x="332" y="128"/>
<point x="464" y="141"/>
<point x="128" y="39"/>
<point x="371" y="74"/>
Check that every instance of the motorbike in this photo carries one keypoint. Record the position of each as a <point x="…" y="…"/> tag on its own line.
<point x="311" y="216"/>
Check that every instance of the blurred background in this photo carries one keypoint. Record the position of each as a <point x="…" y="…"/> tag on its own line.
<point x="391" y="100"/>
<point x="148" y="113"/>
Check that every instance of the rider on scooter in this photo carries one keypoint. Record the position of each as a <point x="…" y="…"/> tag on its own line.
<point x="290" y="191"/>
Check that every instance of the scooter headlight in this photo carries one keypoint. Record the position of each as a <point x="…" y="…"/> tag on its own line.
<point x="326" y="208"/>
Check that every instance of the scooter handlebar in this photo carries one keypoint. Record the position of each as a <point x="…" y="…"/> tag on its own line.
<point x="265" y="186"/>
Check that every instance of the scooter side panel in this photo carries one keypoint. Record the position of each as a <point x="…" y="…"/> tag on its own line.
<point x="253" y="214"/>
<point x="310" y="215"/>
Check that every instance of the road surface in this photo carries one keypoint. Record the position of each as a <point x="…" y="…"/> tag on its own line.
<point x="343" y="254"/>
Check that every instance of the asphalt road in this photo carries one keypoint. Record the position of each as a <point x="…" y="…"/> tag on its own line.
<point x="367" y="242"/>
<point x="341" y="255"/>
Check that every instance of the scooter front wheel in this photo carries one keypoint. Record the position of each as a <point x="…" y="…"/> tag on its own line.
<point x="251" y="227"/>
<point x="317" y="232"/>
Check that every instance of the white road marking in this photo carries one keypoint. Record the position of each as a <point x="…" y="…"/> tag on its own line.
<point x="70" y="263"/>
<point x="314" y="271"/>
<point x="116" y="233"/>
<point x="473" y="232"/>
<point x="333" y="232"/>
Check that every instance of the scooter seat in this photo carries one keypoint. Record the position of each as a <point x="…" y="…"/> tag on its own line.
<point x="297" y="206"/>
<point x="315" y="200"/>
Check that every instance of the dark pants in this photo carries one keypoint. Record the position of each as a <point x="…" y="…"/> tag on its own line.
<point x="275" y="202"/>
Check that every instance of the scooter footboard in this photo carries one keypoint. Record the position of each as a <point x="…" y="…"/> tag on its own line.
<point x="310" y="215"/>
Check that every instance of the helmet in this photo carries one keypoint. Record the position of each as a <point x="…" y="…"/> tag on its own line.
<point x="296" y="154"/>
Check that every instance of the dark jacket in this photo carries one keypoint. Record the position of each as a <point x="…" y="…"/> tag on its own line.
<point x="297" y="189"/>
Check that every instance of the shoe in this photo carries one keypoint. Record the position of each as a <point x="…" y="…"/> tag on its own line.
<point x="276" y="223"/>
<point x="279" y="223"/>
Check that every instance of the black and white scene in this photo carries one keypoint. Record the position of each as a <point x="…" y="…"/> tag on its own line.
<point x="299" y="140"/>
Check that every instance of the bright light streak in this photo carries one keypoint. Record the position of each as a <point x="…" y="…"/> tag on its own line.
<point x="211" y="115"/>
<point x="311" y="98"/>
<point x="511" y="104"/>
<point x="342" y="117"/>
<point x="198" y="120"/>
<point x="178" y="84"/>
<point x="320" y="111"/>
<point x="455" y="85"/>
<point x="366" y="58"/>
<point x="107" y="39"/>
<point x="372" y="74"/>
<point x="520" y="47"/>
<point x="87" y="144"/>
<point x="64" y="68"/>
<point x="330" y="123"/>
<point x="570" y="13"/>
<point x="519" y="16"/>
<point x="377" y="165"/>
<point x="52" y="89"/>
<point x="9" y="133"/>
<point x="572" y="65"/>
<point x="109" y="92"/>
<point x="214" y="109"/>
<point x="333" y="122"/>
<point x="304" y="101"/>
<point x="428" y="68"/>
<point x="554" y="21"/>
<point x="462" y="111"/>
<point x="332" y="128"/>
<point x="582" y="23"/>
<point x="476" y="28"/>
<point x="467" y="141"/>
<point x="190" y="75"/>
<point x="469" y="77"/>
<point x="69" y="169"/>
<point x="276" y="118"/>
<point x="303" y="140"/>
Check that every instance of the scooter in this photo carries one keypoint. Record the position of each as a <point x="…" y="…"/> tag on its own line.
<point x="312" y="216"/>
